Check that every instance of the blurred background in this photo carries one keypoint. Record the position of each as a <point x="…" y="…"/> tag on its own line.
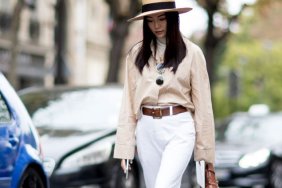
<point x="83" y="42"/>
<point x="71" y="43"/>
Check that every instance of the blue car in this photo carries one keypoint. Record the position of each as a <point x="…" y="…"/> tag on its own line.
<point x="21" y="159"/>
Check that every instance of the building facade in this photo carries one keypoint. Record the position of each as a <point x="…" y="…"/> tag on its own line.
<point x="69" y="38"/>
<point x="88" y="41"/>
<point x="34" y="62"/>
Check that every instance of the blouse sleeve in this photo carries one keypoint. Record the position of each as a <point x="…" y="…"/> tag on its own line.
<point x="125" y="137"/>
<point x="203" y="114"/>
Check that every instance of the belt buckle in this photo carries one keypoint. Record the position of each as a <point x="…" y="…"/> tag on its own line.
<point x="157" y="117"/>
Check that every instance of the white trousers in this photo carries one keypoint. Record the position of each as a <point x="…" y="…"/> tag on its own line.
<point x="165" y="147"/>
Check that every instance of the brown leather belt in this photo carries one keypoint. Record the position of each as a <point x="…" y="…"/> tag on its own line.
<point x="159" y="112"/>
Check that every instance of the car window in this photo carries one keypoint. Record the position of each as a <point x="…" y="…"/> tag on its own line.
<point x="88" y="109"/>
<point x="4" y="111"/>
<point x="254" y="129"/>
<point x="270" y="129"/>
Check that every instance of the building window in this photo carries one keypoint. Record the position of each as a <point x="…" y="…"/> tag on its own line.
<point x="26" y="81"/>
<point x="34" y="29"/>
<point x="5" y="21"/>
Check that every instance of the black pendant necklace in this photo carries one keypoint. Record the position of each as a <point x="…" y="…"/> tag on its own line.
<point x="160" y="80"/>
<point x="160" y="69"/>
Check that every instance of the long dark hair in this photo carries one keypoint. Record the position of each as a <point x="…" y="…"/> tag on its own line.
<point x="175" y="47"/>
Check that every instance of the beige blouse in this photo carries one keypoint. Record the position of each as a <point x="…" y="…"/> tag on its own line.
<point x="188" y="87"/>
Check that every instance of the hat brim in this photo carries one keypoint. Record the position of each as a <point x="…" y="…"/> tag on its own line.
<point x="142" y="15"/>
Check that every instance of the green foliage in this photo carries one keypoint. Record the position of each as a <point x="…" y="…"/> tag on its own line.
<point x="258" y="63"/>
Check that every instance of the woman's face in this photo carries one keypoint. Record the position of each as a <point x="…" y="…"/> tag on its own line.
<point x="157" y="24"/>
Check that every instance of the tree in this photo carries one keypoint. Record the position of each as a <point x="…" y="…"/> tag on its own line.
<point x="119" y="15"/>
<point x="12" y="75"/>
<point x="60" y="41"/>
<point x="254" y="53"/>
<point x="215" y="35"/>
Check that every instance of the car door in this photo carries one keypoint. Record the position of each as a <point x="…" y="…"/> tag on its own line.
<point x="9" y="142"/>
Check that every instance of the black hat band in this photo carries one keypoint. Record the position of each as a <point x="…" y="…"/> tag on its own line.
<point x="158" y="6"/>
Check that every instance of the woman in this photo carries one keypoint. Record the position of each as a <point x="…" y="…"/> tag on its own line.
<point x="166" y="102"/>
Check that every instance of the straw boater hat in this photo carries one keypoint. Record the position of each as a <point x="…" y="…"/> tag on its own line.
<point x="150" y="7"/>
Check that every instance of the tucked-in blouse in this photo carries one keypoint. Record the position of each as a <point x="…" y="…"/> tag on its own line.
<point x="188" y="87"/>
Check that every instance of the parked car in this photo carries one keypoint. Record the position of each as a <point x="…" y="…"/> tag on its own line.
<point x="21" y="159"/>
<point x="249" y="150"/>
<point x="77" y="127"/>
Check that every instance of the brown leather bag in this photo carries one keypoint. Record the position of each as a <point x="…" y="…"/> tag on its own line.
<point x="211" y="181"/>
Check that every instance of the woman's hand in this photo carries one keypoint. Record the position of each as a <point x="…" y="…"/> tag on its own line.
<point x="123" y="165"/>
